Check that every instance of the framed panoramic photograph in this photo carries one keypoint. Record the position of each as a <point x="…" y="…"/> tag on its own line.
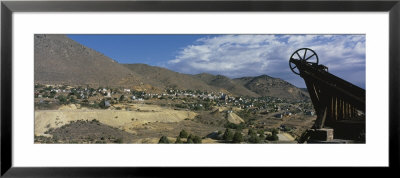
<point x="136" y="88"/>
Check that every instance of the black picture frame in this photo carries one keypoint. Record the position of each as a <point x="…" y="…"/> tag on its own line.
<point x="8" y="7"/>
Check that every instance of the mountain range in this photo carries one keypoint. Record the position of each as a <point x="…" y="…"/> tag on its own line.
<point x="61" y="60"/>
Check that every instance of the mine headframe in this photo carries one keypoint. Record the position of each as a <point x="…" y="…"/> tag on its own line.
<point x="338" y="103"/>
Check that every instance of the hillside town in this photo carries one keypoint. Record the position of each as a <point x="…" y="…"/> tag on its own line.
<point x="103" y="97"/>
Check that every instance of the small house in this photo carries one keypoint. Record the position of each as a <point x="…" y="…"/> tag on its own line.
<point x="280" y="116"/>
<point x="309" y="113"/>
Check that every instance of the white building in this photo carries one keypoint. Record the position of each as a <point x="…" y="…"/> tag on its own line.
<point x="108" y="94"/>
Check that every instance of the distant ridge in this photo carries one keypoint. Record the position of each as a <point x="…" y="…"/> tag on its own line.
<point x="265" y="85"/>
<point x="164" y="78"/>
<point x="227" y="84"/>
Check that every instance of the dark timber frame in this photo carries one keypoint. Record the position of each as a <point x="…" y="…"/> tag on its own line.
<point x="335" y="100"/>
<point x="8" y="7"/>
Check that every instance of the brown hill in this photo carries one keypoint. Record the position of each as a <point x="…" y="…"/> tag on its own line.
<point x="59" y="59"/>
<point x="225" y="83"/>
<point x="265" y="85"/>
<point x="164" y="78"/>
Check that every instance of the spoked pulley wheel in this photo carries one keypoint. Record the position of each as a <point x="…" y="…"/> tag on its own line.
<point x="306" y="55"/>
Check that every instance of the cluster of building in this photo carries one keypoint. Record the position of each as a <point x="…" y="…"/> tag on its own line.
<point x="110" y="95"/>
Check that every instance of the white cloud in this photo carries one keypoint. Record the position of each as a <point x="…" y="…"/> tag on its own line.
<point x="252" y="55"/>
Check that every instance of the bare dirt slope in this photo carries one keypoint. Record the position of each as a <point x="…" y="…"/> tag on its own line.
<point x="233" y="118"/>
<point x="124" y="120"/>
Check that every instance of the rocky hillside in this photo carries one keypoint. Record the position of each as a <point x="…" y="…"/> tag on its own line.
<point x="58" y="59"/>
<point x="265" y="85"/>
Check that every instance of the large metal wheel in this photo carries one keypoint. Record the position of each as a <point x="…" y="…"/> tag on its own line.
<point x="304" y="55"/>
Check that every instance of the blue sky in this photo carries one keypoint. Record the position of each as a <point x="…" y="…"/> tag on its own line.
<point x="147" y="49"/>
<point x="235" y="55"/>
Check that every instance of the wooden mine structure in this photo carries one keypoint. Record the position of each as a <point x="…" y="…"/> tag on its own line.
<point x="338" y="104"/>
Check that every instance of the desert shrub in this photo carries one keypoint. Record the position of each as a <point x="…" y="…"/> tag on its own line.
<point x="254" y="139"/>
<point x="197" y="108"/>
<point x="272" y="138"/>
<point x="251" y="132"/>
<point x="50" y="130"/>
<point x="180" y="106"/>
<point x="178" y="140"/>
<point x="237" y="137"/>
<point x="72" y="99"/>
<point x="196" y="139"/>
<point x="261" y="134"/>
<point x="48" y="88"/>
<point x="183" y="134"/>
<point x="39" y="86"/>
<point x="122" y="98"/>
<point x="62" y="99"/>
<point x="189" y="140"/>
<point x="193" y="139"/>
<point x="163" y="139"/>
<point x="119" y="140"/>
<point x="228" y="135"/>
<point x="235" y="126"/>
<point x="274" y="131"/>
<point x="95" y="121"/>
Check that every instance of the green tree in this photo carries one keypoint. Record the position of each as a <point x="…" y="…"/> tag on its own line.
<point x="121" y="98"/>
<point x="196" y="139"/>
<point x="183" y="134"/>
<point x="274" y="136"/>
<point x="251" y="132"/>
<point x="163" y="139"/>
<point x="274" y="131"/>
<point x="52" y="94"/>
<point x="228" y="135"/>
<point x="254" y="139"/>
<point x="238" y="137"/>
<point x="178" y="140"/>
<point x="119" y="140"/>
<point x="62" y="99"/>
<point x="261" y="134"/>
<point x="72" y="99"/>
<point x="189" y="140"/>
